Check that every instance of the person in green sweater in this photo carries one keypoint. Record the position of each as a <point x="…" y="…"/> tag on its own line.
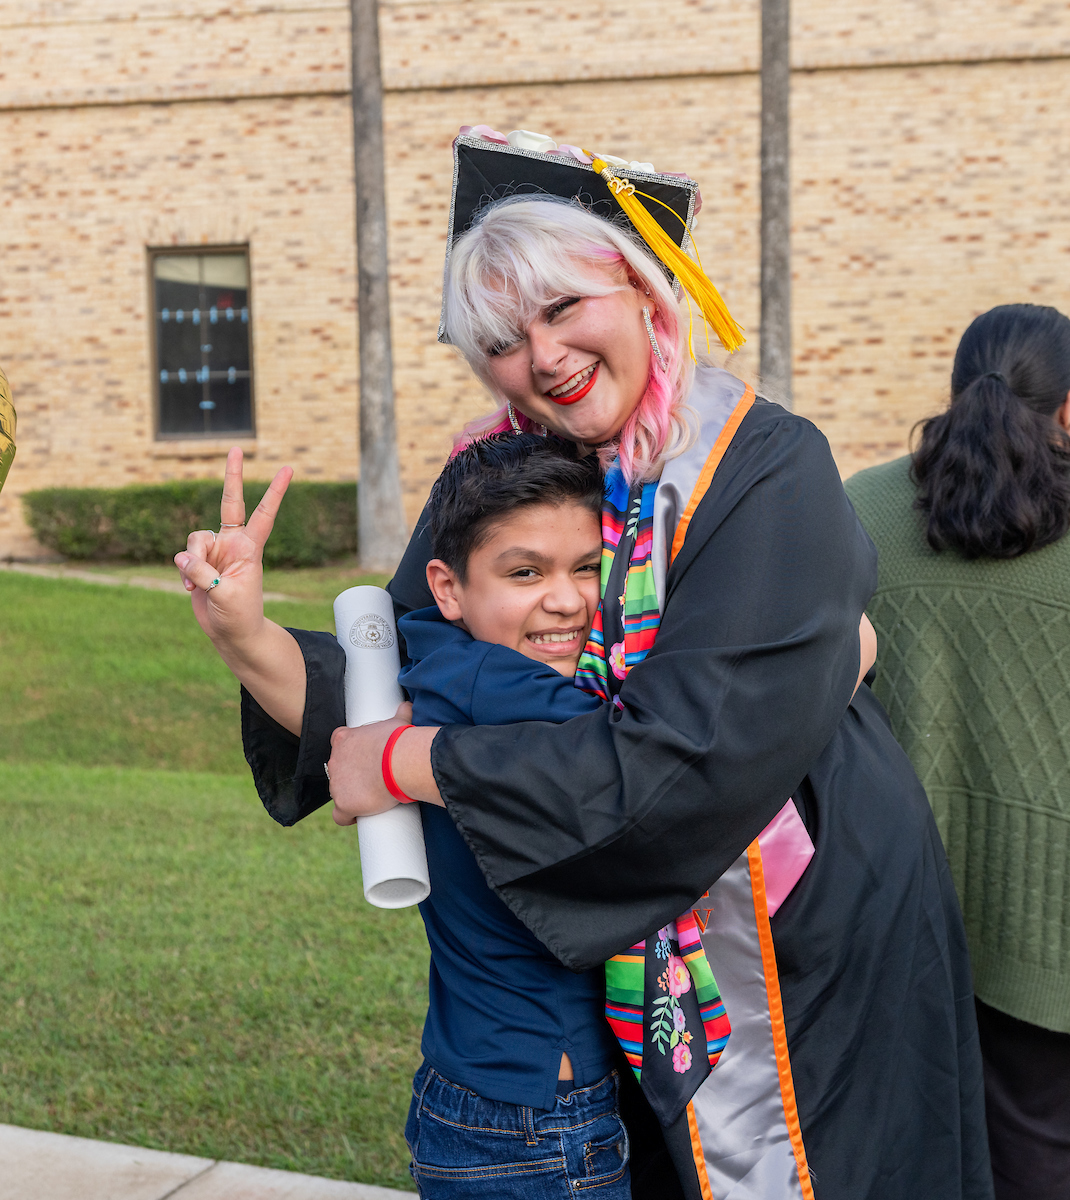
<point x="972" y="613"/>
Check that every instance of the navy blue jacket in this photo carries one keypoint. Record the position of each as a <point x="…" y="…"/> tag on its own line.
<point x="502" y="1009"/>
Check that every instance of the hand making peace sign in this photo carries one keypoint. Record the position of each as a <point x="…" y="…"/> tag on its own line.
<point x="224" y="571"/>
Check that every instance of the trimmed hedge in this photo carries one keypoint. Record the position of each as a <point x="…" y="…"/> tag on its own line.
<point x="150" y="522"/>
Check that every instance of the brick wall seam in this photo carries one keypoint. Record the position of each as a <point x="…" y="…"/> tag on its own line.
<point x="299" y="92"/>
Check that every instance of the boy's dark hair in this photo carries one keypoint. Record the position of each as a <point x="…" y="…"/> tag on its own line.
<point x="492" y="478"/>
<point x="993" y="471"/>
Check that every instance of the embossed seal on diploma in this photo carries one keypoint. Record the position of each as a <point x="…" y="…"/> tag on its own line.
<point x="371" y="632"/>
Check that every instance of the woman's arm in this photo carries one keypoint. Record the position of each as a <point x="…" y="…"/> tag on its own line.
<point x="355" y="760"/>
<point x="591" y="829"/>
<point x="582" y="828"/>
<point x="263" y="656"/>
<point x="269" y="665"/>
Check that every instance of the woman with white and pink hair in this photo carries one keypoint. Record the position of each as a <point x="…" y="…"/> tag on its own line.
<point x="734" y="783"/>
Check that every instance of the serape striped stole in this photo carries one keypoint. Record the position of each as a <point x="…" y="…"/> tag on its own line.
<point x="625" y="993"/>
<point x="661" y="991"/>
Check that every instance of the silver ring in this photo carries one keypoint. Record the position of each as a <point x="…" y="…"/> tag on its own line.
<point x="213" y="584"/>
<point x="326" y="772"/>
<point x="223" y="525"/>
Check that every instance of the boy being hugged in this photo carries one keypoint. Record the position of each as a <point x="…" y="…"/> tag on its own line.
<point x="518" y="1094"/>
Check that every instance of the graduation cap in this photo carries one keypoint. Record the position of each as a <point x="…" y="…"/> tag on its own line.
<point x="659" y="208"/>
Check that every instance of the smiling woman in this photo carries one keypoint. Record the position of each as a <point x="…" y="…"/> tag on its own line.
<point x="596" y="344"/>
<point x="729" y="823"/>
<point x="593" y="320"/>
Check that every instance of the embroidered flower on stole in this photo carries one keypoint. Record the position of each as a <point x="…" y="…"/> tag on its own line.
<point x="616" y="660"/>
<point x="679" y="976"/>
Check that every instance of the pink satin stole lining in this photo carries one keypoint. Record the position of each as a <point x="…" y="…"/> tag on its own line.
<point x="786" y="852"/>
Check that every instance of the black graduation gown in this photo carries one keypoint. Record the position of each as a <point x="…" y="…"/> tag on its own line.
<point x="598" y="831"/>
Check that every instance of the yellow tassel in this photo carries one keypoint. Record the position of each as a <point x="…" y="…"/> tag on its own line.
<point x="695" y="281"/>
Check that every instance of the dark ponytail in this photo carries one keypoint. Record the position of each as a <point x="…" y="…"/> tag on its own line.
<point x="993" y="471"/>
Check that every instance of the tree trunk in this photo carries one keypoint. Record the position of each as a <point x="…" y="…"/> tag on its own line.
<point x="380" y="517"/>
<point x="776" y="199"/>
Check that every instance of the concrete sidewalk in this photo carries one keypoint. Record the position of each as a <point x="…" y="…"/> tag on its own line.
<point x="59" y="571"/>
<point x="52" y="1166"/>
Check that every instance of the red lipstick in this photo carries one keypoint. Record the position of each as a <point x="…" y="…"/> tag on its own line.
<point x="572" y="397"/>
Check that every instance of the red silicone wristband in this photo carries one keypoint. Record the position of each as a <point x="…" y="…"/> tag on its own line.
<point x="388" y="773"/>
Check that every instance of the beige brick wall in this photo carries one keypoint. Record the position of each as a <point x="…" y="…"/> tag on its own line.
<point x="922" y="197"/>
<point x="928" y="147"/>
<point x="107" y="55"/>
<point x="120" y="51"/>
<point x="86" y="190"/>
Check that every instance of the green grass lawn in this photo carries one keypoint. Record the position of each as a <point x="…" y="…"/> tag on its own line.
<point x="176" y="970"/>
<point x="118" y="676"/>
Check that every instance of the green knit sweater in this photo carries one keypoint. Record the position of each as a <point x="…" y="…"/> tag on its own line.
<point x="973" y="666"/>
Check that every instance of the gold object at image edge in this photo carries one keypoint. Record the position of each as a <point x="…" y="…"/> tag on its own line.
<point x="7" y="427"/>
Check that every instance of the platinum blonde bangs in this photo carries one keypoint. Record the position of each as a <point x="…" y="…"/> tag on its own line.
<point x="523" y="254"/>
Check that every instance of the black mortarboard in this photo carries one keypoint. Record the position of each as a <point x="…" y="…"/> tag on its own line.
<point x="486" y="170"/>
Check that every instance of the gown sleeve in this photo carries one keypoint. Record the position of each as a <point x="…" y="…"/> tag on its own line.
<point x="288" y="771"/>
<point x="597" y="831"/>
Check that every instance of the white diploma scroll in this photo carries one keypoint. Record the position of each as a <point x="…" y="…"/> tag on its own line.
<point x="392" y="856"/>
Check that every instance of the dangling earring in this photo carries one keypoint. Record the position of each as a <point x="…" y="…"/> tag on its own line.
<point x="539" y="429"/>
<point x="653" y="337"/>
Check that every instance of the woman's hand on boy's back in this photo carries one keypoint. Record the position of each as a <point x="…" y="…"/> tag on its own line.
<point x="355" y="769"/>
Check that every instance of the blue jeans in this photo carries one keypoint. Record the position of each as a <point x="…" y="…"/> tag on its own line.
<point x="467" y="1148"/>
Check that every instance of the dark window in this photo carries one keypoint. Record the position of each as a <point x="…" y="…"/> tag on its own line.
<point x="202" y="322"/>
